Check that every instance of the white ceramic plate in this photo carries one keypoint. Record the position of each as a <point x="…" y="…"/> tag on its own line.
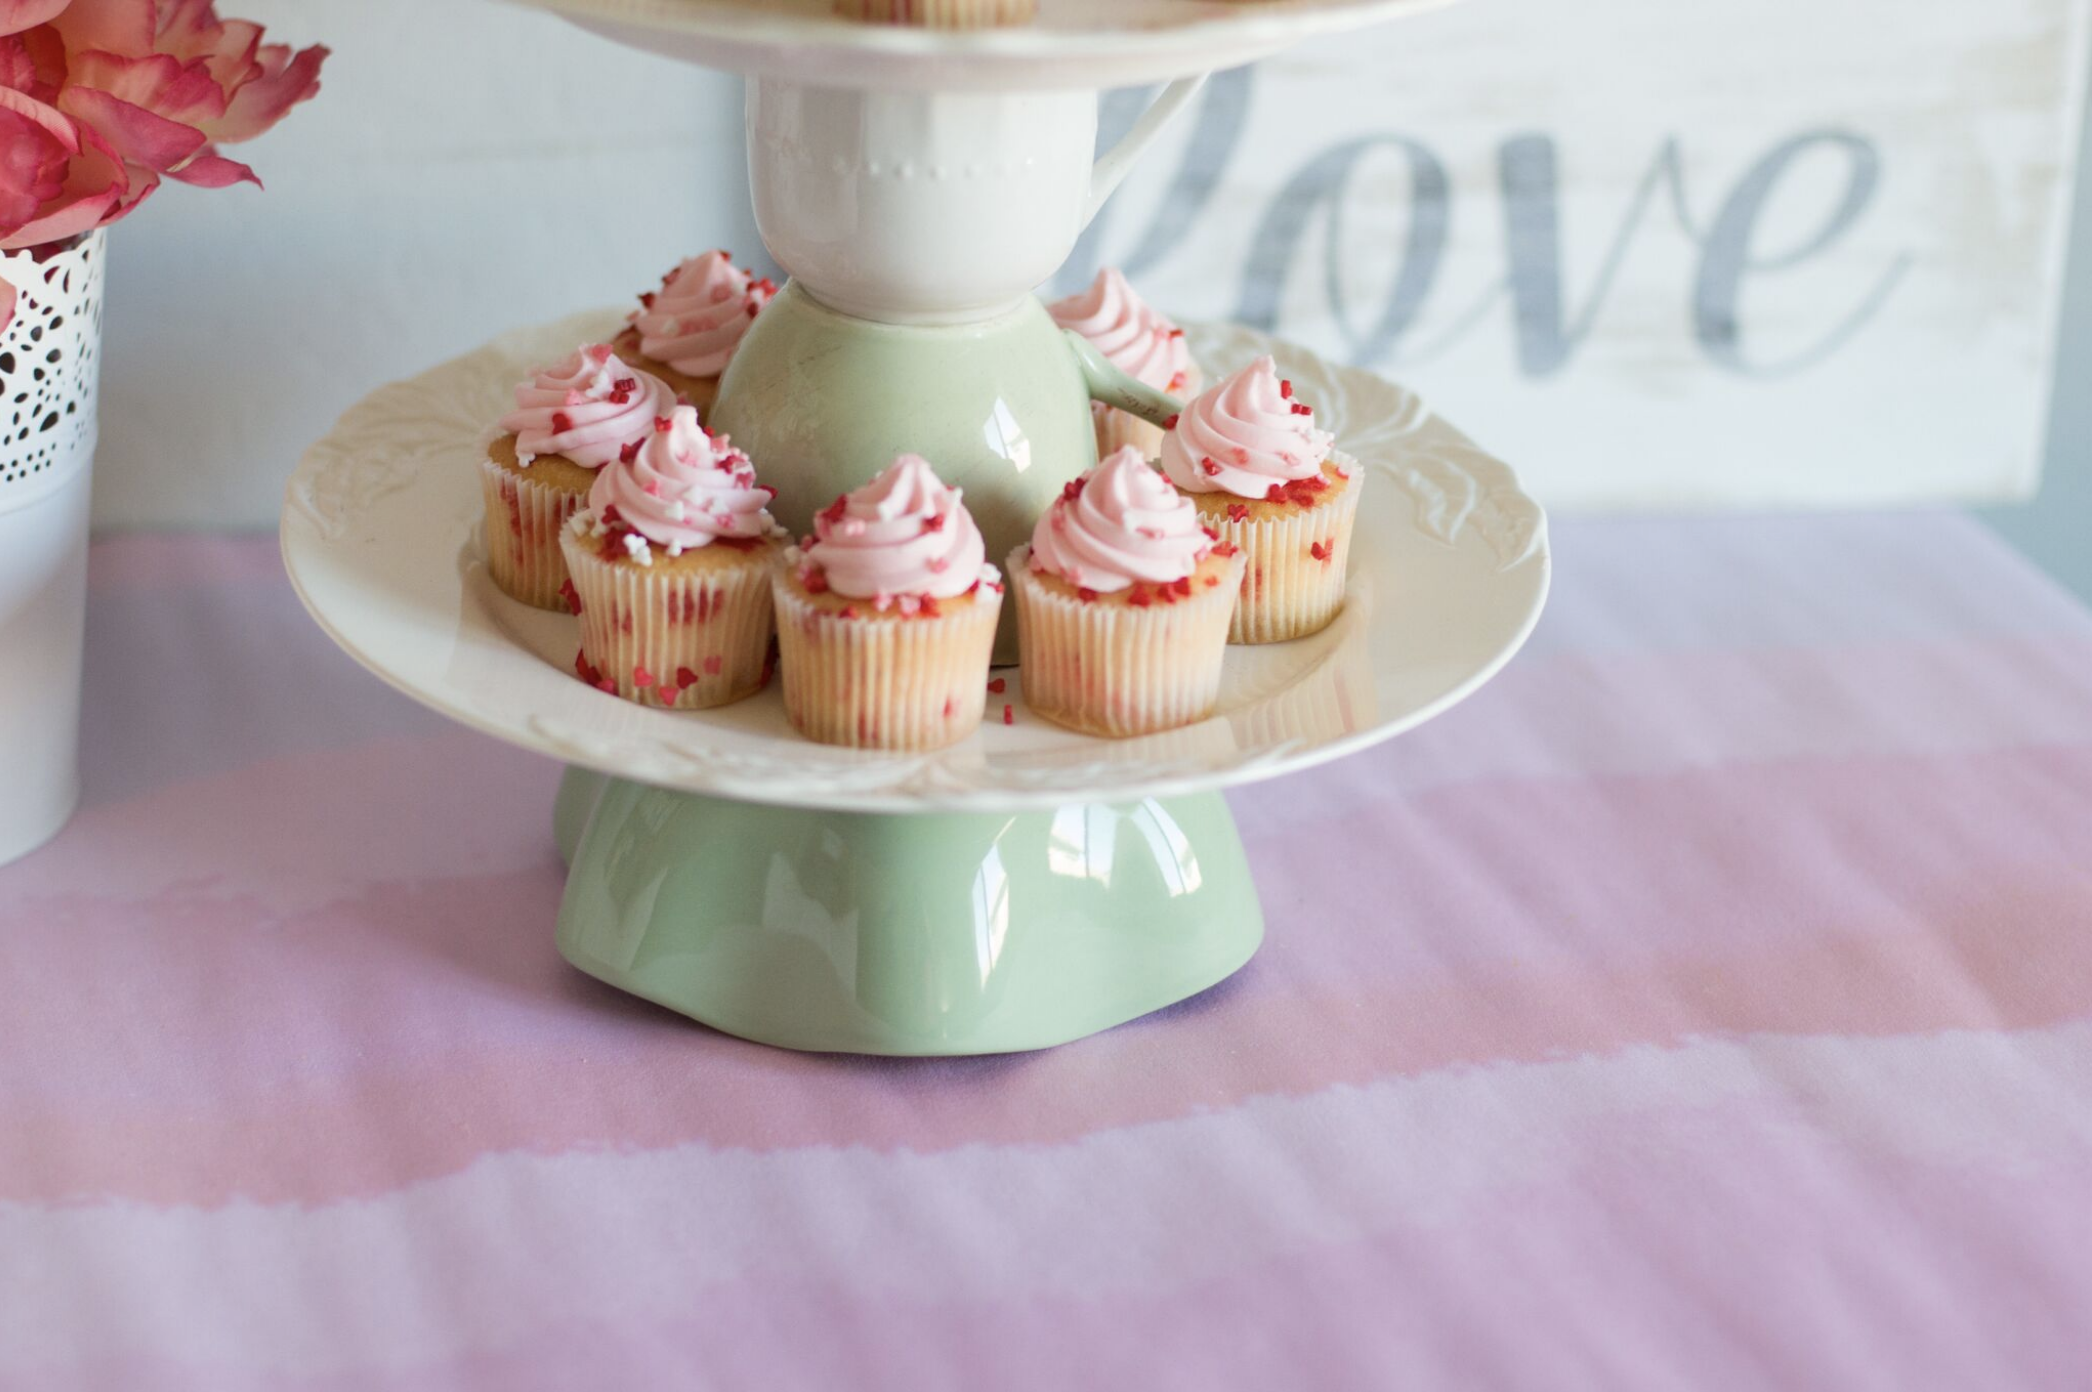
<point x="1073" y="45"/>
<point x="381" y="538"/>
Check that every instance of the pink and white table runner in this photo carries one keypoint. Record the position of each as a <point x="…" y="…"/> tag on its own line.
<point x="1707" y="1004"/>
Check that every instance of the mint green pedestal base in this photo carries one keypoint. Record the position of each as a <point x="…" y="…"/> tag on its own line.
<point x="927" y="934"/>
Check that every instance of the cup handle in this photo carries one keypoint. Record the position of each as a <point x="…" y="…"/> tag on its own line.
<point x="1115" y="388"/>
<point x="1118" y="161"/>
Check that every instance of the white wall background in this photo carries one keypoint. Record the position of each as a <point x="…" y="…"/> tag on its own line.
<point x="469" y="167"/>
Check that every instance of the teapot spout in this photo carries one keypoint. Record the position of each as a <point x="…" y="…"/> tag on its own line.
<point x="1116" y="388"/>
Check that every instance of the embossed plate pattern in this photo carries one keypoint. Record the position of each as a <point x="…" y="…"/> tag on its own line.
<point x="1449" y="574"/>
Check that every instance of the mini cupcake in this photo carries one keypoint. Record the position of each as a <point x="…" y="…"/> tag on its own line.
<point x="569" y="422"/>
<point x="1140" y="343"/>
<point x="940" y="14"/>
<point x="1267" y="482"/>
<point x="1122" y="605"/>
<point x="671" y="564"/>
<point x="685" y="333"/>
<point x="886" y="617"/>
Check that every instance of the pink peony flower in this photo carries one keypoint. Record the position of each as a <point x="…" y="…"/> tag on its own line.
<point x="101" y="99"/>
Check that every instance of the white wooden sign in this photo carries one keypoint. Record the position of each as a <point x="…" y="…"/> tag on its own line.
<point x="1724" y="253"/>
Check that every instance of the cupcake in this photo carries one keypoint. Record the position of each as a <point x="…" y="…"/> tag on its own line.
<point x="569" y="422"/>
<point x="1140" y="343"/>
<point x="671" y="564"/>
<point x="1122" y="605"/>
<point x="940" y="14"/>
<point x="886" y="617"/>
<point x="685" y="333"/>
<point x="1266" y="481"/>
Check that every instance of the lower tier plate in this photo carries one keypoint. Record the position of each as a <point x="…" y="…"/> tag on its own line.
<point x="1449" y="574"/>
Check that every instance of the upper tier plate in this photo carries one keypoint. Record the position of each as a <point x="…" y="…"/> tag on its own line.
<point x="381" y="537"/>
<point x="1073" y="45"/>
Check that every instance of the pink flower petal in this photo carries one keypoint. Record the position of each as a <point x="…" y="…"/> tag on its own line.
<point x="214" y="171"/>
<point x="97" y="188"/>
<point x="17" y="15"/>
<point x="183" y="92"/>
<point x="139" y="136"/>
<point x="32" y="168"/>
<point x="191" y="31"/>
<point x="33" y="63"/>
<point x="286" y="80"/>
<point x="114" y="26"/>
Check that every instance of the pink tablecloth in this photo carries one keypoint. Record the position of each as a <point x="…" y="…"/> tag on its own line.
<point x="1707" y="1004"/>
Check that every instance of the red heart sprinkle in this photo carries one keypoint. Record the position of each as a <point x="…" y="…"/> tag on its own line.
<point x="642" y="677"/>
<point x="999" y="685"/>
<point x="1009" y="715"/>
<point x="714" y="665"/>
<point x="685" y="677"/>
<point x="561" y="422"/>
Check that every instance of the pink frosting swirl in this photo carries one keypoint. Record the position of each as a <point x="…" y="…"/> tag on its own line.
<point x="587" y="409"/>
<point x="1119" y="525"/>
<point x="1137" y="340"/>
<point x="1244" y="436"/>
<point x="695" y="321"/>
<point x="903" y="534"/>
<point x="682" y="488"/>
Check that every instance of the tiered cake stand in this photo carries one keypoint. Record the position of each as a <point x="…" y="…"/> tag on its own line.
<point x="1029" y="886"/>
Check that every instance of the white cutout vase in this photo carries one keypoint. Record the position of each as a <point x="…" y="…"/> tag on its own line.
<point x="50" y="373"/>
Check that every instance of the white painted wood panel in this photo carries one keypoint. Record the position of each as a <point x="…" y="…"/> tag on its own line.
<point x="1736" y="252"/>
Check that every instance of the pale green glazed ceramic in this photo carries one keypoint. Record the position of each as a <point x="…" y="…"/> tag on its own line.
<point x="927" y="934"/>
<point x="1001" y="408"/>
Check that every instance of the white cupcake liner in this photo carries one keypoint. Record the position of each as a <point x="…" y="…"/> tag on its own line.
<point x="1287" y="591"/>
<point x="525" y="522"/>
<point x="864" y="683"/>
<point x="1106" y="668"/>
<point x="683" y="639"/>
